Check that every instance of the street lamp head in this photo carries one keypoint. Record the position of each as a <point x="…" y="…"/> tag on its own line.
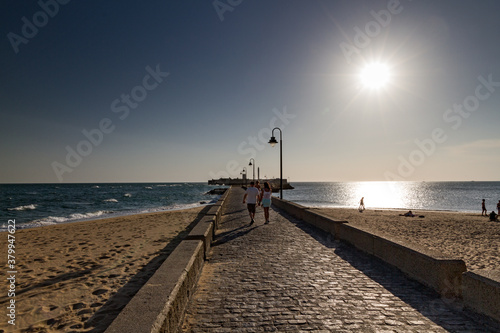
<point x="250" y="163"/>
<point x="273" y="141"/>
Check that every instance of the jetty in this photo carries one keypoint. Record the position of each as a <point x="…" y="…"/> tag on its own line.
<point x="304" y="272"/>
<point x="274" y="182"/>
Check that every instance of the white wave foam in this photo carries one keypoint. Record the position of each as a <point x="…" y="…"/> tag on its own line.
<point x="27" y="207"/>
<point x="59" y="219"/>
<point x="128" y="195"/>
<point x="110" y="200"/>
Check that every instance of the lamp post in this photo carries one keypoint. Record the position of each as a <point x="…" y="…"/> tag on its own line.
<point x="272" y="142"/>
<point x="244" y="174"/>
<point x="253" y="171"/>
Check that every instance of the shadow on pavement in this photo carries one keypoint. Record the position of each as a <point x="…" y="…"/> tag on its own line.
<point x="444" y="312"/>
<point x="233" y="234"/>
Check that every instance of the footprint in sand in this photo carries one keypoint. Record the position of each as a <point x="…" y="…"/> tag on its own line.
<point x="78" y="306"/>
<point x="85" y="311"/>
<point x="99" y="292"/>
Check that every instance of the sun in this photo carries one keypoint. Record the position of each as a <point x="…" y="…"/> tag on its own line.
<point x="375" y="75"/>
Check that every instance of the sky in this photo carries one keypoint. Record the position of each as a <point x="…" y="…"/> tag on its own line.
<point x="167" y="91"/>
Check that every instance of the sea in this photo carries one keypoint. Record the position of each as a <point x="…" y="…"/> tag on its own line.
<point x="440" y="196"/>
<point x="35" y="205"/>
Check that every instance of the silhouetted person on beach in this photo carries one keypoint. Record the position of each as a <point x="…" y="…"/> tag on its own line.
<point x="252" y="194"/>
<point x="498" y="207"/>
<point x="484" y="212"/>
<point x="361" y="204"/>
<point x="265" y="199"/>
<point x="408" y="214"/>
<point x="493" y="216"/>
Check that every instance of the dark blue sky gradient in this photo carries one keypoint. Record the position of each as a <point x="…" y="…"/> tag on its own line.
<point x="226" y="78"/>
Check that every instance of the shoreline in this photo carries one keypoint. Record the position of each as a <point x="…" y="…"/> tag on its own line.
<point x="305" y="204"/>
<point x="78" y="276"/>
<point x="40" y="224"/>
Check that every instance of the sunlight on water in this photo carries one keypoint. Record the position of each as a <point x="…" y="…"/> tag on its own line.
<point x="456" y="196"/>
<point x="381" y="194"/>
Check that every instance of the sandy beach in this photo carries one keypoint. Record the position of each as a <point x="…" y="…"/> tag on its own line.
<point x="468" y="236"/>
<point x="76" y="277"/>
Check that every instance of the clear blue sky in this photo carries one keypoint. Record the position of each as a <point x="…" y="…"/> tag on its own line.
<point x="131" y="91"/>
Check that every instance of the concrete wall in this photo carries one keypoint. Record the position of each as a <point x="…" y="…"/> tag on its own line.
<point x="443" y="274"/>
<point x="160" y="304"/>
<point x="317" y="219"/>
<point x="481" y="292"/>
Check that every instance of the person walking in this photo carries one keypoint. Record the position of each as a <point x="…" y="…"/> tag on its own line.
<point x="257" y="185"/>
<point x="361" y="206"/>
<point x="483" y="206"/>
<point x="251" y="197"/>
<point x="265" y="200"/>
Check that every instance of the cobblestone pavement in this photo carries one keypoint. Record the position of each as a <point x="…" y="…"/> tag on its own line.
<point x="288" y="277"/>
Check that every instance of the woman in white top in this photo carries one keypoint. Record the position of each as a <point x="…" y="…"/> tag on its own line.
<point x="265" y="200"/>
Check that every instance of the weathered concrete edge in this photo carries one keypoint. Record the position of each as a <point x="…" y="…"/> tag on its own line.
<point x="204" y="230"/>
<point x="172" y="284"/>
<point x="159" y="305"/>
<point x="317" y="219"/>
<point x="481" y="292"/>
<point x="443" y="274"/>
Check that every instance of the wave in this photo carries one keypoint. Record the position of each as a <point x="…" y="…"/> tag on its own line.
<point x="27" y="207"/>
<point x="110" y="200"/>
<point x="50" y="220"/>
<point x="128" y="195"/>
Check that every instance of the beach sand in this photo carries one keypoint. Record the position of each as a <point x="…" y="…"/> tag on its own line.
<point x="76" y="277"/>
<point x="467" y="236"/>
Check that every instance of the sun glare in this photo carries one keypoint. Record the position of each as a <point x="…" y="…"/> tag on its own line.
<point x="375" y="75"/>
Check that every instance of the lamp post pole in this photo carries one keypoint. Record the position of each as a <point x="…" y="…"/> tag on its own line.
<point x="253" y="171"/>
<point x="272" y="142"/>
<point x="244" y="172"/>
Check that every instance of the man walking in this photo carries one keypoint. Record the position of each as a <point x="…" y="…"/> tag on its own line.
<point x="251" y="196"/>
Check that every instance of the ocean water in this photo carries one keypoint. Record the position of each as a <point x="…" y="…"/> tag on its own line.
<point x="445" y="196"/>
<point x="34" y="205"/>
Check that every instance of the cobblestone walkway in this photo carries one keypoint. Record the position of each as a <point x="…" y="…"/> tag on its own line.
<point x="289" y="277"/>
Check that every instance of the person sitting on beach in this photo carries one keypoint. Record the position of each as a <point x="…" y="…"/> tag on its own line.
<point x="410" y="214"/>
<point x="493" y="216"/>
